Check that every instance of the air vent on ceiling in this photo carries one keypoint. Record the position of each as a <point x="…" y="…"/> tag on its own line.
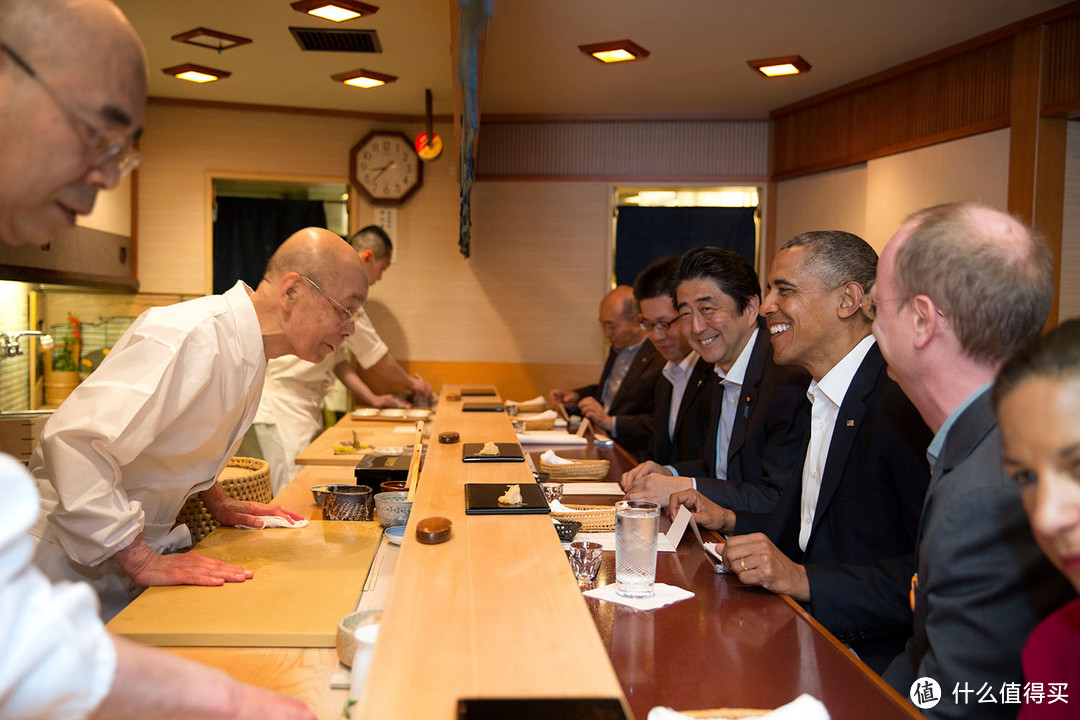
<point x="337" y="40"/>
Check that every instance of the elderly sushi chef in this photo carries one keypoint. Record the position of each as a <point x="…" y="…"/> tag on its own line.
<point x="162" y="415"/>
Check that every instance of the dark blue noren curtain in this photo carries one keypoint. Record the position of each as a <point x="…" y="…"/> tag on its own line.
<point x="644" y="234"/>
<point x="248" y="231"/>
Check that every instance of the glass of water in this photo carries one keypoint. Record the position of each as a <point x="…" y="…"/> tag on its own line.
<point x="637" y="525"/>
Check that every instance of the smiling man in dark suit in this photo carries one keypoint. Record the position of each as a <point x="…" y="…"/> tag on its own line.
<point x="842" y="540"/>
<point x="685" y="397"/>
<point x="759" y="414"/>
<point x="621" y="404"/>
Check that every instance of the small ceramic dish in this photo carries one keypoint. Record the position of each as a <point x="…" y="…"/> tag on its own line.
<point x="365" y="412"/>
<point x="395" y="534"/>
<point x="417" y="414"/>
<point x="392" y="413"/>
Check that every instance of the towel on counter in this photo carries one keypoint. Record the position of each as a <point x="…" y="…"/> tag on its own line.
<point x="551" y="458"/>
<point x="550" y="437"/>
<point x="276" y="521"/>
<point x="804" y="707"/>
<point x="665" y="595"/>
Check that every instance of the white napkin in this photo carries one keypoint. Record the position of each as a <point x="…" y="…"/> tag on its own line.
<point x="551" y="458"/>
<point x="276" y="521"/>
<point x="546" y="415"/>
<point x="558" y="507"/>
<point x="591" y="488"/>
<point x="804" y="707"/>
<point x="538" y="400"/>
<point x="550" y="437"/>
<point x="664" y="595"/>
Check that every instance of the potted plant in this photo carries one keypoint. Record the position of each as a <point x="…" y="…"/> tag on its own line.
<point x="62" y="367"/>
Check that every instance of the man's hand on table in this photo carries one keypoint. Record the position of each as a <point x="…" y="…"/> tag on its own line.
<point x="758" y="562"/>
<point x="655" y="487"/>
<point x="389" y="401"/>
<point x="147" y="568"/>
<point x="592" y="409"/>
<point x="420" y="387"/>
<point x="639" y="471"/>
<point x="563" y="397"/>
<point x="230" y="511"/>
<point x="705" y="512"/>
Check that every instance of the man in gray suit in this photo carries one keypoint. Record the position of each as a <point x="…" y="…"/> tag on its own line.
<point x="960" y="287"/>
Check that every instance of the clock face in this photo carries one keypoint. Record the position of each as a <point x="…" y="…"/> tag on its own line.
<point x="384" y="166"/>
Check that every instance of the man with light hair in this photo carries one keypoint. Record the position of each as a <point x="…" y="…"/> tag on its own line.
<point x="72" y="97"/>
<point x="960" y="288"/>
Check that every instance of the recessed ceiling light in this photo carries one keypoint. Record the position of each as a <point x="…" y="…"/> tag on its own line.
<point x="213" y="39"/>
<point x="196" y="73"/>
<point x="335" y="10"/>
<point x="617" y="51"/>
<point x="774" y="67"/>
<point x="363" y="78"/>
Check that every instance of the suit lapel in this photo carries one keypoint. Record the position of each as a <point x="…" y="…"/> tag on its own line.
<point x="848" y="422"/>
<point x="697" y="383"/>
<point x="637" y="367"/>
<point x="608" y="364"/>
<point x="755" y="370"/>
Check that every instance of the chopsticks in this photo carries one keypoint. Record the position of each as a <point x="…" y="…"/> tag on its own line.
<point x="414" y="464"/>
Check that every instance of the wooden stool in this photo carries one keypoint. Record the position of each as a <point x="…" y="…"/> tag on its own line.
<point x="243" y="478"/>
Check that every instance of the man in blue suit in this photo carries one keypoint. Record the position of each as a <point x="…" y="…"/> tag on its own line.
<point x="842" y="540"/>
<point x="961" y="287"/>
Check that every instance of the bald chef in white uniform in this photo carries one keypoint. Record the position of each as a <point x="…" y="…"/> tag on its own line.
<point x="162" y="415"/>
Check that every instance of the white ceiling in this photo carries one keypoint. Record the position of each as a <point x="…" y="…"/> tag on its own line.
<point x="532" y="66"/>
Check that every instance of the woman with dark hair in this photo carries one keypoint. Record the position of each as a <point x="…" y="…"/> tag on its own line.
<point x="1037" y="399"/>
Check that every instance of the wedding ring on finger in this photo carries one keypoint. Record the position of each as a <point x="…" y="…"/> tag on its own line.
<point x="742" y="563"/>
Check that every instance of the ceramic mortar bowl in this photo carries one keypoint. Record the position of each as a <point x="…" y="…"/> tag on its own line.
<point x="319" y="492"/>
<point x="347" y="502"/>
<point x="346" y="629"/>
<point x="393" y="508"/>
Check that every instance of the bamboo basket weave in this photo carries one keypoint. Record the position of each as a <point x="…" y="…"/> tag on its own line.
<point x="540" y="424"/>
<point x="588" y="469"/>
<point x="597" y="518"/>
<point x="243" y="478"/>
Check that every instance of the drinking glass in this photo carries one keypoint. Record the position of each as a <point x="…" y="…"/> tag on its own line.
<point x="637" y="525"/>
<point x="552" y="491"/>
<point x="585" y="560"/>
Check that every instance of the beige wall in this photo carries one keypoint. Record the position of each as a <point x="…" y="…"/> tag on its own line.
<point x="834" y="200"/>
<point x="112" y="211"/>
<point x="972" y="168"/>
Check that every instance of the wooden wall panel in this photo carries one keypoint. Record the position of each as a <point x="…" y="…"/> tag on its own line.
<point x="958" y="95"/>
<point x="1061" y="89"/>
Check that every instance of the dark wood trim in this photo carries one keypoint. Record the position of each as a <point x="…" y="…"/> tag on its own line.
<point x="956" y="134"/>
<point x="289" y="110"/>
<point x="933" y="58"/>
<point x="645" y="179"/>
<point x="18" y="273"/>
<point x="1067" y="110"/>
<point x="505" y="119"/>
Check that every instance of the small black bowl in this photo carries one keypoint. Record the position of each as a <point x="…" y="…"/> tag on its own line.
<point x="567" y="529"/>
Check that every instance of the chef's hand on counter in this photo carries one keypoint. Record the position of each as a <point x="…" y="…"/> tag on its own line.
<point x="389" y="401"/>
<point x="418" y="386"/>
<point x="147" y="568"/>
<point x="591" y="408"/>
<point x="228" y="510"/>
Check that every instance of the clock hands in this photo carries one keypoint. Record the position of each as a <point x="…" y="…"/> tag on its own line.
<point x="383" y="169"/>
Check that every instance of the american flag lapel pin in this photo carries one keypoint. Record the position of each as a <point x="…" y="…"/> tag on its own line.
<point x="851" y="423"/>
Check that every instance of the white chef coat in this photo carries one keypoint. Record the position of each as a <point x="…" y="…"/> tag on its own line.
<point x="289" y="417"/>
<point x="154" y="424"/>
<point x="58" y="660"/>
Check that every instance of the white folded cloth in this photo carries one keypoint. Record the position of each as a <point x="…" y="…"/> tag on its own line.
<point x="276" y="521"/>
<point x="550" y="437"/>
<point x="664" y="595"/>
<point x="551" y="458"/>
<point x="558" y="507"/>
<point x="546" y="415"/>
<point x="804" y="707"/>
<point x="538" y="400"/>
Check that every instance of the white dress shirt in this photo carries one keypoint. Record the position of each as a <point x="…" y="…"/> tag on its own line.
<point x="678" y="374"/>
<point x="57" y="661"/>
<point x="731" y="384"/>
<point x="619" y="368"/>
<point x="826" y="397"/>
<point x="154" y="424"/>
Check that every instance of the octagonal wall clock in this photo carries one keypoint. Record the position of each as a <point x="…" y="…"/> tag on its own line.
<point x="385" y="168"/>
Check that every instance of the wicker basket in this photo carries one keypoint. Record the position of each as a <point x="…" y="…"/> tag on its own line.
<point x="540" y="424"/>
<point x="586" y="469"/>
<point x="597" y="518"/>
<point x="243" y="478"/>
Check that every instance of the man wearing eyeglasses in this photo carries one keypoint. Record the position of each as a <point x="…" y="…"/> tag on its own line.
<point x="621" y="404"/>
<point x="684" y="401"/>
<point x="753" y="443"/>
<point x="163" y="413"/>
<point x="72" y="95"/>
